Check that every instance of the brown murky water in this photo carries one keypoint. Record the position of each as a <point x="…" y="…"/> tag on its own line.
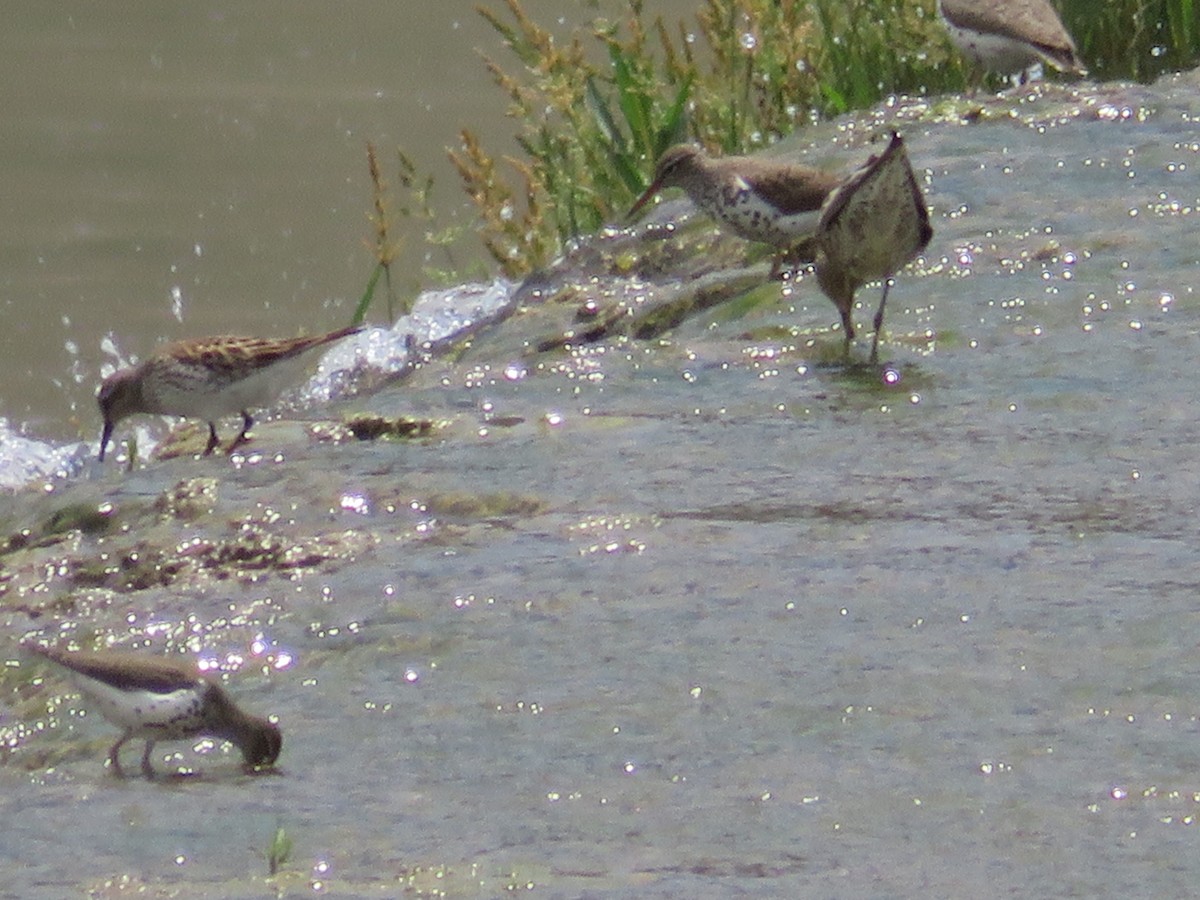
<point x="171" y="172"/>
<point x="697" y="616"/>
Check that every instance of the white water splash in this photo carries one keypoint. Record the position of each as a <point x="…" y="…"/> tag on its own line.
<point x="360" y="361"/>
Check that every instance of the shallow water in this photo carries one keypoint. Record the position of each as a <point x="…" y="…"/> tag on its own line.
<point x="701" y="616"/>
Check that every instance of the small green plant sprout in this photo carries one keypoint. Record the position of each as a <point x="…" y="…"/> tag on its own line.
<point x="279" y="851"/>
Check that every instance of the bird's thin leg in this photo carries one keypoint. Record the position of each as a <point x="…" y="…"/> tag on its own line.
<point x="802" y="252"/>
<point x="794" y="257"/>
<point x="887" y="282"/>
<point x="147" y="769"/>
<point x="848" y="327"/>
<point x="247" y="422"/>
<point x="975" y="80"/>
<point x="212" y="438"/>
<point x="114" y="755"/>
<point x="776" y="265"/>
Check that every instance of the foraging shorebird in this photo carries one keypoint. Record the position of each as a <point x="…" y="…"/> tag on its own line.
<point x="870" y="227"/>
<point x="160" y="700"/>
<point x="758" y="199"/>
<point x="208" y="378"/>
<point x="1009" y="36"/>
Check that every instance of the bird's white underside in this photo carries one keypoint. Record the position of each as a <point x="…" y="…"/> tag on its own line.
<point x="994" y="52"/>
<point x="749" y="214"/>
<point x="144" y="712"/>
<point x="210" y="400"/>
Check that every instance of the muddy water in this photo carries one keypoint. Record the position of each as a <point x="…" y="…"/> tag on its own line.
<point x="202" y="170"/>
<point x="702" y="615"/>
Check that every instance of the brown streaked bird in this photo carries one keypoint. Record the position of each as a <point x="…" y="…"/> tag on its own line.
<point x="870" y="227"/>
<point x="764" y="200"/>
<point x="209" y="378"/>
<point x="161" y="700"/>
<point x="1008" y="36"/>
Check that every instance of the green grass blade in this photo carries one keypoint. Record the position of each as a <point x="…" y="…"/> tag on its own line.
<point x="631" y="100"/>
<point x="672" y="129"/>
<point x="603" y="116"/>
<point x="631" y="176"/>
<point x="360" y="311"/>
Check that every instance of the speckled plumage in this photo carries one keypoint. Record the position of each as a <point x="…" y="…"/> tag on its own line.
<point x="764" y="200"/>
<point x="208" y="378"/>
<point x="1009" y="36"/>
<point x="870" y="227"/>
<point x="159" y="699"/>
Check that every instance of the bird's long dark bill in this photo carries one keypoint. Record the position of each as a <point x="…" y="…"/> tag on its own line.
<point x="642" y="200"/>
<point x="105" y="437"/>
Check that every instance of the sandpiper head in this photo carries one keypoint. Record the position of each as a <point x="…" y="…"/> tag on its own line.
<point x="259" y="739"/>
<point x="261" y="743"/>
<point x="120" y="396"/>
<point x="675" y="169"/>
